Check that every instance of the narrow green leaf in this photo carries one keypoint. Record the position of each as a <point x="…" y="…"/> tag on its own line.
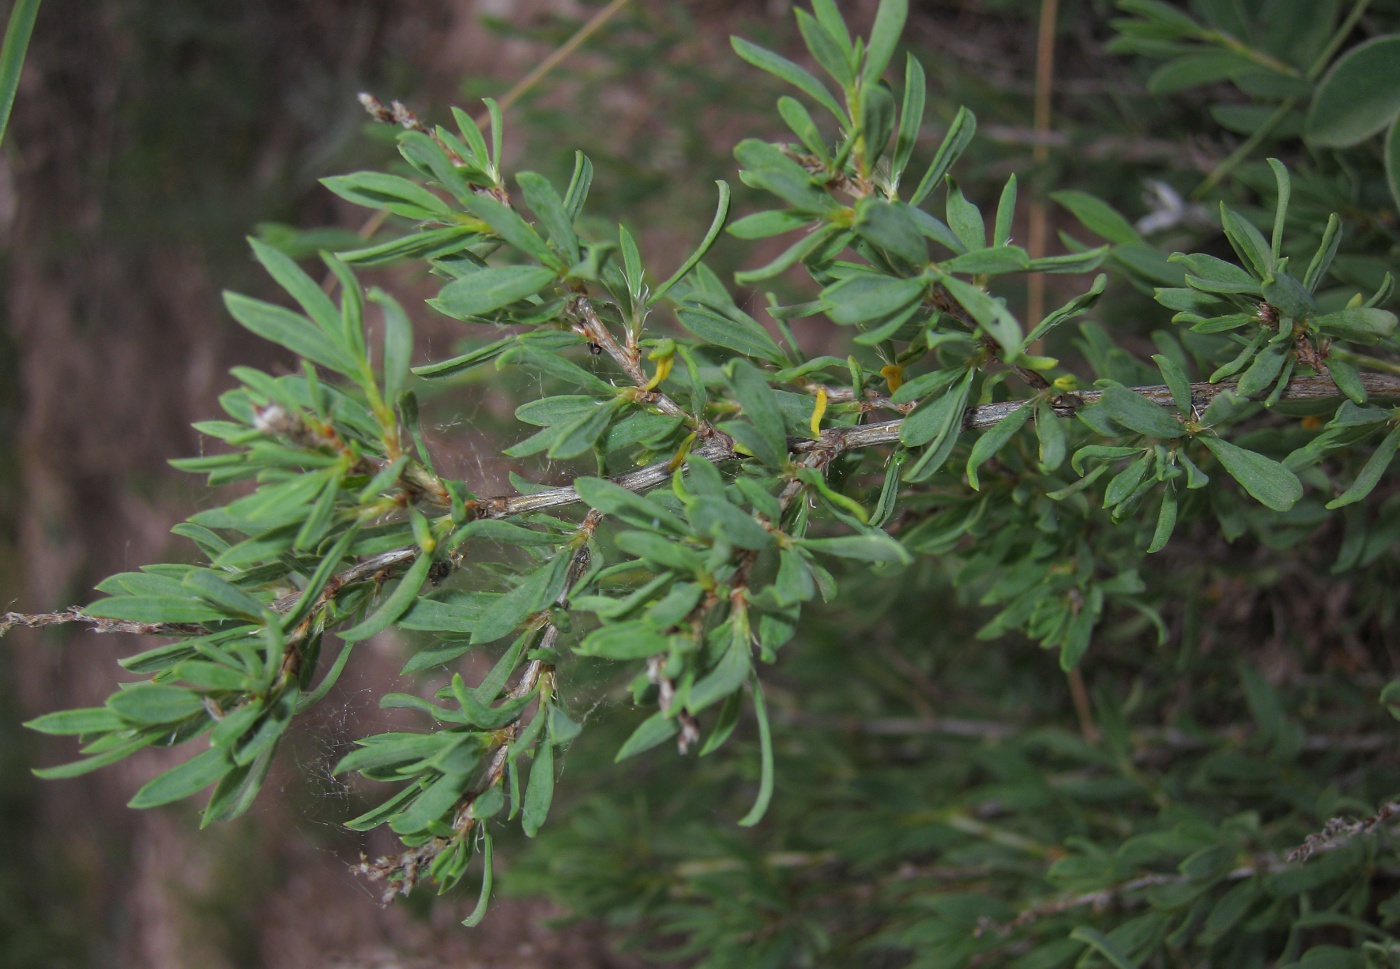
<point x="829" y="16"/>
<point x="1332" y="234"/>
<point x="81" y="721"/>
<point x="991" y="261"/>
<point x="1137" y="413"/>
<point x="840" y="503"/>
<point x="766" y="167"/>
<point x="527" y="597"/>
<point x="731" y="329"/>
<point x="993" y="440"/>
<point x="398" y="343"/>
<point x="487" y="875"/>
<point x="1247" y="241"/>
<point x="865" y="296"/>
<point x="17" y="34"/>
<point x="155" y="609"/>
<point x="498" y="130"/>
<point x="88" y="764"/>
<point x="635" y="509"/>
<point x="1284" y="187"/>
<point x="423" y="244"/>
<point x="784" y="69"/>
<point x="290" y="330"/>
<point x="1070" y="263"/>
<point x="955" y="142"/>
<point x="891" y="226"/>
<point x="761" y="410"/>
<point x="728" y="675"/>
<point x="1246" y="354"/>
<point x="204" y="675"/>
<point x="549" y="208"/>
<point x="382" y="812"/>
<point x="1166" y="521"/>
<point x="399" y="195"/>
<point x="579" y="184"/>
<point x="1050" y="436"/>
<point x="632" y="270"/>
<point x="471" y="135"/>
<point x="466" y="361"/>
<point x="911" y="117"/>
<point x="632" y="640"/>
<point x="395" y="605"/>
<point x="1365" y="325"/>
<point x="1125" y="483"/>
<point x="1098" y="216"/>
<point x="1357" y="97"/>
<point x="1269" y="482"/>
<point x="719" y="519"/>
<point x="325" y="568"/>
<point x="964" y="218"/>
<point x="1370" y="474"/>
<point x="305" y="290"/>
<point x="155" y="703"/>
<point x="1099" y="942"/>
<point x="725" y="723"/>
<point x="436" y="800"/>
<point x="830" y="53"/>
<point x="511" y="228"/>
<point x="318" y="522"/>
<point x="540" y="790"/>
<point x="426" y="155"/>
<point x="1175" y="379"/>
<point x="555" y="364"/>
<point x="1392" y="162"/>
<point x="228" y="597"/>
<point x="237" y="789"/>
<point x="1074" y="308"/>
<point x="1347" y="379"/>
<point x="868" y="547"/>
<point x="190" y="777"/>
<point x="990" y="313"/>
<point x="762" y="225"/>
<point x="884" y="36"/>
<point x="1197" y="70"/>
<point x="933" y="418"/>
<point x="452" y="612"/>
<point x="655" y="729"/>
<point x="584" y="433"/>
<point x="813" y="242"/>
<point x="716" y="226"/>
<point x="1264" y="369"/>
<point x="765" y="753"/>
<point x="1006" y="213"/>
<point x="663" y="551"/>
<point x="487" y="290"/>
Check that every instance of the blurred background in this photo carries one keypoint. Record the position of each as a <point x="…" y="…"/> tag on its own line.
<point x="149" y="138"/>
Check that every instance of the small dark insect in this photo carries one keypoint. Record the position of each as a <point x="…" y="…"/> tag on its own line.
<point x="595" y="348"/>
<point x="439" y="571"/>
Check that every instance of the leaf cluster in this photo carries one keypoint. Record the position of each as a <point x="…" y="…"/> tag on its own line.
<point x="722" y="482"/>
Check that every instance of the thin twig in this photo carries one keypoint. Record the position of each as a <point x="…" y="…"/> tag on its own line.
<point x="1144" y="741"/>
<point x="1082" y="708"/>
<point x="1040" y="152"/>
<point x="559" y="55"/>
<point x="717" y="448"/>
<point x="1338" y="833"/>
<point x="400" y="872"/>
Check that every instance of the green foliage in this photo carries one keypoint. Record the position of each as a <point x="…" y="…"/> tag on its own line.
<point x="17" y="32"/>
<point x="724" y="485"/>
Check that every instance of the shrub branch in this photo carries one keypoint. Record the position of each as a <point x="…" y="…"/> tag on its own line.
<point x="716" y="447"/>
